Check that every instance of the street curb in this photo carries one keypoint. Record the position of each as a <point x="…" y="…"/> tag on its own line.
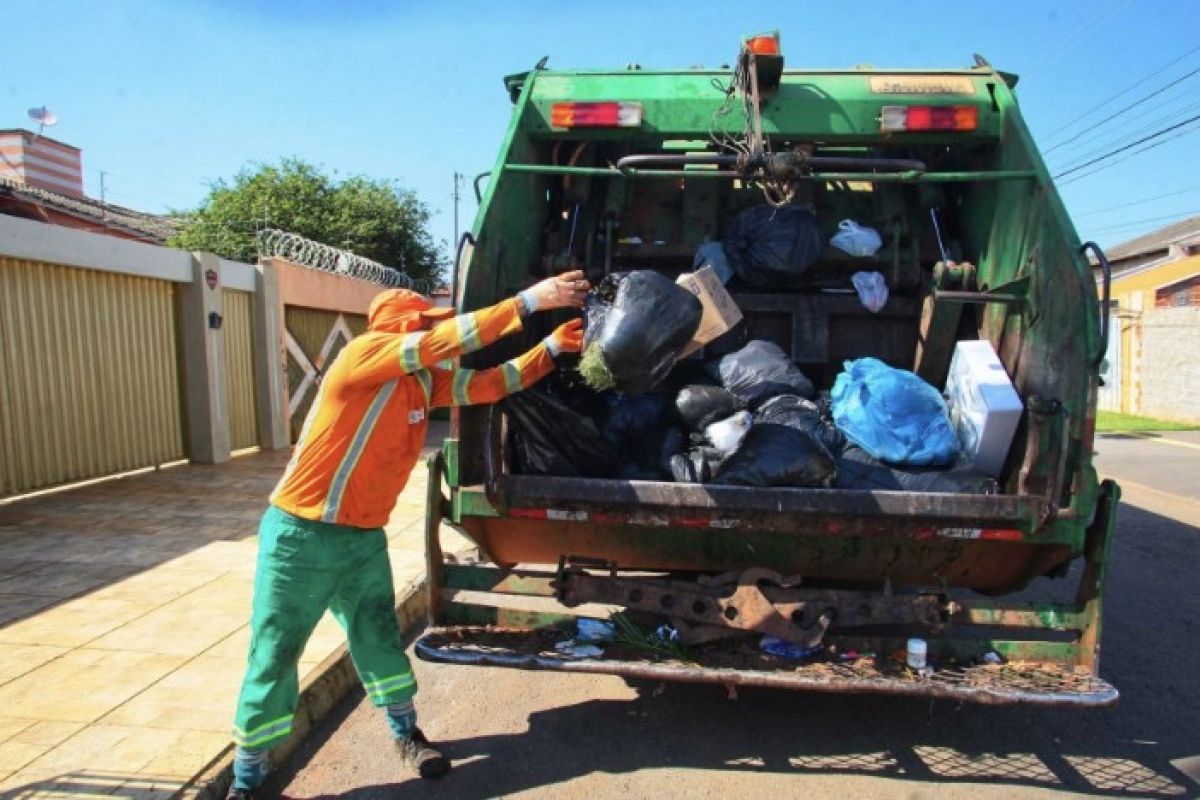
<point x="320" y="692"/>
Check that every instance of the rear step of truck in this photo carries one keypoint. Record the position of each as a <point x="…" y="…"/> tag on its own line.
<point x="1042" y="683"/>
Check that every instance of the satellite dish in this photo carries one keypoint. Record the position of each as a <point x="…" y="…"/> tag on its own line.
<point x="43" y="117"/>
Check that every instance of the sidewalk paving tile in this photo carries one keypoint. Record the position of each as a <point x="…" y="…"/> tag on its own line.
<point x="124" y="611"/>
<point x="11" y="567"/>
<point x="83" y="685"/>
<point x="115" y="749"/>
<point x="19" y="659"/>
<point x="18" y="606"/>
<point x="47" y="732"/>
<point x="189" y="754"/>
<point x="77" y="622"/>
<point x="199" y="696"/>
<point x="65" y="580"/>
<point x="185" y="626"/>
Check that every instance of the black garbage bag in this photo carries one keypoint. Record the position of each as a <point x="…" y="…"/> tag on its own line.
<point x="770" y="246"/>
<point x="696" y="465"/>
<point x="551" y="438"/>
<point x="630" y="420"/>
<point x="759" y="371"/>
<point x="824" y="403"/>
<point x="672" y="442"/>
<point x="700" y="406"/>
<point x="803" y="415"/>
<point x="690" y="371"/>
<point x="650" y="460"/>
<point x="637" y="428"/>
<point x="568" y="388"/>
<point x="637" y="471"/>
<point x="777" y="455"/>
<point x="858" y="469"/>
<point x="637" y="323"/>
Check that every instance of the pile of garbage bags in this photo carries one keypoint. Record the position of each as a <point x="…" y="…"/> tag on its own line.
<point x="749" y="418"/>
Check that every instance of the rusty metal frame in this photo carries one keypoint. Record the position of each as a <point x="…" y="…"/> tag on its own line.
<point x="755" y="600"/>
<point x="1025" y="685"/>
<point x="768" y="509"/>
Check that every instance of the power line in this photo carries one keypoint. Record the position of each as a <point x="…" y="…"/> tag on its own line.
<point x="1132" y="105"/>
<point x="1132" y="203"/>
<point x="1131" y="155"/>
<point x="1081" y="32"/>
<point x="159" y="193"/>
<point x="1120" y="129"/>
<point x="1105" y="144"/>
<point x="1146" y="221"/>
<point x="1122" y="93"/>
<point x="1133" y="144"/>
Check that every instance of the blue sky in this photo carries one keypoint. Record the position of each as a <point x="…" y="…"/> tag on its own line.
<point x="167" y="96"/>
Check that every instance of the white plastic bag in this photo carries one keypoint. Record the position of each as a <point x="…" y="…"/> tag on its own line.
<point x="858" y="241"/>
<point x="727" y="434"/>
<point x="872" y="290"/>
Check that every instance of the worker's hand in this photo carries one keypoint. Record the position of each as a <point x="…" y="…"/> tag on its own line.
<point x="567" y="338"/>
<point x="562" y="291"/>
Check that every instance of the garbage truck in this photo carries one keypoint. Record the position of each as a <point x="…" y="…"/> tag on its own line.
<point x="614" y="170"/>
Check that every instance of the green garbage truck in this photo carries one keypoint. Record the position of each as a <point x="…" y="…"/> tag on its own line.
<point x="613" y="170"/>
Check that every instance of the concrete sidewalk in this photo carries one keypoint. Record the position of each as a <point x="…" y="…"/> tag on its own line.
<point x="123" y="625"/>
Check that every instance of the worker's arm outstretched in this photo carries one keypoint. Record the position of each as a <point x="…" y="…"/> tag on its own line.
<point x="392" y="355"/>
<point x="461" y="387"/>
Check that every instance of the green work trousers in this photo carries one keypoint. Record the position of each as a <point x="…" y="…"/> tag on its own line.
<point x="305" y="567"/>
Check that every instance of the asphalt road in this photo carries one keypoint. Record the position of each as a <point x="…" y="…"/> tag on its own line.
<point x="545" y="735"/>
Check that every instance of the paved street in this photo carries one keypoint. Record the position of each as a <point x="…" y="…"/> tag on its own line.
<point x="530" y="735"/>
<point x="1164" y="462"/>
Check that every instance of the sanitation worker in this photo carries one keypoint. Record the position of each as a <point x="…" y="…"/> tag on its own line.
<point x="321" y="541"/>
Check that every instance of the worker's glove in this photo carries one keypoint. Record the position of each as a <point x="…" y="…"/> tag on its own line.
<point x="567" y="338"/>
<point x="562" y="291"/>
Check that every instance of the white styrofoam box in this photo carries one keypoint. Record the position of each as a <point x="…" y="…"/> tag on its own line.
<point x="984" y="407"/>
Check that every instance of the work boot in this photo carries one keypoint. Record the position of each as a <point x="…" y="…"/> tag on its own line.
<point x="418" y="755"/>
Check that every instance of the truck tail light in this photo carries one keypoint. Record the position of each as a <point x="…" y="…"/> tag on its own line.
<point x="596" y="115"/>
<point x="929" y="118"/>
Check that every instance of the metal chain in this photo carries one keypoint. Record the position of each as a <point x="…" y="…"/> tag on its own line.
<point x="274" y="243"/>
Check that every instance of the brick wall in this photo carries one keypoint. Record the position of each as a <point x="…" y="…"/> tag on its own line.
<point x="1183" y="293"/>
<point x="1171" y="364"/>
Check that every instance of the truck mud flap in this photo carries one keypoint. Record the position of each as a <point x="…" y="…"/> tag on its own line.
<point x="991" y="684"/>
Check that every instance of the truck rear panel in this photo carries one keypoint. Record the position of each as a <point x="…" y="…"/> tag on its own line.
<point x="554" y="197"/>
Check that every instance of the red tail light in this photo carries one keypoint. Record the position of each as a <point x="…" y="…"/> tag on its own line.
<point x="596" y="115"/>
<point x="929" y="118"/>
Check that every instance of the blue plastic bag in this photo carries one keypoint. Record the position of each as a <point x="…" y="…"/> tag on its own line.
<point x="893" y="415"/>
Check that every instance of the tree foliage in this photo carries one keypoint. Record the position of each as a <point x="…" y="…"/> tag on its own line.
<point x="376" y="219"/>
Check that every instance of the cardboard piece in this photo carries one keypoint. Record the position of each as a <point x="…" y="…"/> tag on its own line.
<point x="985" y="409"/>
<point x="720" y="312"/>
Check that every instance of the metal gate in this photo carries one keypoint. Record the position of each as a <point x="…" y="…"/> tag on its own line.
<point x="239" y="360"/>
<point x="313" y="339"/>
<point x="89" y="374"/>
<point x="1110" y="393"/>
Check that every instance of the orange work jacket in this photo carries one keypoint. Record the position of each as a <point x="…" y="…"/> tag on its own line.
<point x="366" y="427"/>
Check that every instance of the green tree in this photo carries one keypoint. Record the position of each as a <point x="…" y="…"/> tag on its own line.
<point x="376" y="219"/>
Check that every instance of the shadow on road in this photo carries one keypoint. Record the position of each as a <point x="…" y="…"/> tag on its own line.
<point x="1146" y="746"/>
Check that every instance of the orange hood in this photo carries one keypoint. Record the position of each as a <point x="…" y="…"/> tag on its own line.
<point x="404" y="311"/>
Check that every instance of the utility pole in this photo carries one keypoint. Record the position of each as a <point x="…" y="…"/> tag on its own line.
<point x="103" y="198"/>
<point x="457" y="180"/>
